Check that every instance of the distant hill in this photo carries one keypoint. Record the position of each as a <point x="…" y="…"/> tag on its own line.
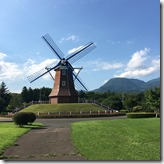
<point x="128" y="85"/>
<point x="154" y="82"/>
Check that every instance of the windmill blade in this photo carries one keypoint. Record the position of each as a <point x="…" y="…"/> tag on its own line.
<point x="79" y="86"/>
<point x="79" y="69"/>
<point x="81" y="52"/>
<point x="40" y="73"/>
<point x="53" y="46"/>
<point x="50" y="73"/>
<point x="79" y="81"/>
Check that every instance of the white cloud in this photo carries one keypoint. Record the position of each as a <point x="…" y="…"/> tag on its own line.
<point x="9" y="71"/>
<point x="140" y="65"/>
<point x="2" y="55"/>
<point x="138" y="72"/>
<point x="114" y="42"/>
<point x="69" y="38"/>
<point x="72" y="38"/>
<point x="105" y="81"/>
<point x="128" y="42"/>
<point x="31" y="66"/>
<point x="102" y="65"/>
<point x="137" y="59"/>
<point x="73" y="50"/>
<point x="12" y="71"/>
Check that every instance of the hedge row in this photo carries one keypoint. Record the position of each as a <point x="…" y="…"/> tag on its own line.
<point x="81" y="115"/>
<point x="124" y="111"/>
<point x="140" y="115"/>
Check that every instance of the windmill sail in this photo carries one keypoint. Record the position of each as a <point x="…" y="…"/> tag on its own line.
<point x="40" y="73"/>
<point x="81" y="52"/>
<point x="79" y="82"/>
<point x="53" y="46"/>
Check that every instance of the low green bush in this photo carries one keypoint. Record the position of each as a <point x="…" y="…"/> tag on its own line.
<point x="124" y="111"/>
<point x="31" y="117"/>
<point x="137" y="108"/>
<point x="20" y="119"/>
<point x="23" y="118"/>
<point x="4" y="113"/>
<point x="140" y="115"/>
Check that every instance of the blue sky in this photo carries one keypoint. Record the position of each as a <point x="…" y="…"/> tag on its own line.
<point x="126" y="34"/>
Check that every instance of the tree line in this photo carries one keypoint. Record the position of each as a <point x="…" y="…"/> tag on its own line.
<point x="148" y="100"/>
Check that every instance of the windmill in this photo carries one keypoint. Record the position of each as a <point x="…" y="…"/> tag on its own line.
<point x="63" y="90"/>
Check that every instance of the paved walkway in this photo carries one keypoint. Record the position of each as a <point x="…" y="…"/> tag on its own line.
<point x="51" y="142"/>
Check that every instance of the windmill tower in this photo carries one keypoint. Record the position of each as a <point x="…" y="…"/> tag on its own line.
<point x="63" y="90"/>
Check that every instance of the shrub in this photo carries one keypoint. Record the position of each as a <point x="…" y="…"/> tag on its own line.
<point x="31" y="117"/>
<point x="4" y="113"/>
<point x="20" y="119"/>
<point x="140" y="115"/>
<point x="137" y="108"/>
<point x="124" y="111"/>
<point x="23" y="118"/>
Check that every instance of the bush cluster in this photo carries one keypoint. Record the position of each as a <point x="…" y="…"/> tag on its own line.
<point x="124" y="111"/>
<point x="137" y="108"/>
<point x="23" y="118"/>
<point x="140" y="115"/>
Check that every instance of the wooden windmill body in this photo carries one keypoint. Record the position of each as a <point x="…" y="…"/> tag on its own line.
<point x="63" y="90"/>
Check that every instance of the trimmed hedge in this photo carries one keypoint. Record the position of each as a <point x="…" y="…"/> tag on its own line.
<point x="81" y="115"/>
<point x="137" y="108"/>
<point x="23" y="118"/>
<point x="31" y="117"/>
<point x="140" y="115"/>
<point x="124" y="111"/>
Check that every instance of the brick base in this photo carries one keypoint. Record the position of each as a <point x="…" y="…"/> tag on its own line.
<point x="63" y="99"/>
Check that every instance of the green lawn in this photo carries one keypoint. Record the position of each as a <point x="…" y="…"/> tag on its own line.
<point x="125" y="139"/>
<point x="74" y="107"/>
<point x="9" y="133"/>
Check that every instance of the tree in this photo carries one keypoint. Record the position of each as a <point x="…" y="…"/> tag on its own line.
<point x="30" y="95"/>
<point x="133" y="99"/>
<point x="44" y="93"/>
<point x="24" y="94"/>
<point x="36" y="94"/>
<point x="15" y="101"/>
<point x="4" y="97"/>
<point x="152" y="97"/>
<point x="113" y="101"/>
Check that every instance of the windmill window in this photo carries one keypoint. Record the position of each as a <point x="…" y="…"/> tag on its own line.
<point x="63" y="83"/>
<point x="63" y="72"/>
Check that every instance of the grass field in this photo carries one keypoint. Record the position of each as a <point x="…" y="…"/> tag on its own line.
<point x="126" y="139"/>
<point x="74" y="107"/>
<point x="9" y="133"/>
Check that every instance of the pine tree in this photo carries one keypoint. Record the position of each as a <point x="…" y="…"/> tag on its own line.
<point x="24" y="94"/>
<point x="4" y="97"/>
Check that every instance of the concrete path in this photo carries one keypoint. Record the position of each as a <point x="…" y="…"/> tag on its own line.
<point x="52" y="142"/>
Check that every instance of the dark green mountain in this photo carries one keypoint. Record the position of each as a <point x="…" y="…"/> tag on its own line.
<point x="154" y="82"/>
<point x="128" y="85"/>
